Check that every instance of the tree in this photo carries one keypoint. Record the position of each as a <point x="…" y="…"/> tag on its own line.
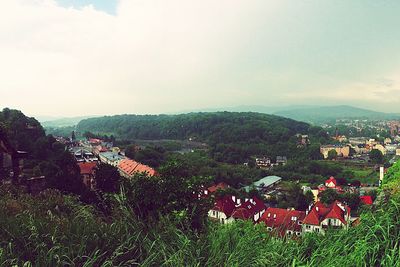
<point x="328" y="196"/>
<point x="107" y="178"/>
<point x="376" y="156"/>
<point x="332" y="154"/>
<point x="352" y="200"/>
<point x="63" y="173"/>
<point x="152" y="196"/>
<point x="130" y="151"/>
<point x="309" y="197"/>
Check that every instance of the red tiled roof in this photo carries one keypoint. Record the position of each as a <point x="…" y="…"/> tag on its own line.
<point x="219" y="186"/>
<point x="87" y="167"/>
<point x="331" y="180"/>
<point x="248" y="209"/>
<point x="131" y="167"/>
<point x="283" y="219"/>
<point x="366" y="200"/>
<point x="225" y="205"/>
<point x="320" y="212"/>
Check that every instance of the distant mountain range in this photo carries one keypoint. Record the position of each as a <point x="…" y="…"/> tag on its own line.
<point x="329" y="113"/>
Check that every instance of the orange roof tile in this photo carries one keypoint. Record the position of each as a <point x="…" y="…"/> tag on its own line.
<point x="87" y="167"/>
<point x="131" y="167"/>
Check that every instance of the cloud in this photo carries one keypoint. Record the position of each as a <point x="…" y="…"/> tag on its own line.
<point x="148" y="54"/>
<point x="157" y="56"/>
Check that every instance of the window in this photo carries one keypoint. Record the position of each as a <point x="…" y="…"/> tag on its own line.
<point x="308" y="227"/>
<point x="269" y="214"/>
<point x="317" y="230"/>
<point x="274" y="215"/>
<point x="298" y="233"/>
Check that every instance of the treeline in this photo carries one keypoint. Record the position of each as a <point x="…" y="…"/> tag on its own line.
<point x="232" y="137"/>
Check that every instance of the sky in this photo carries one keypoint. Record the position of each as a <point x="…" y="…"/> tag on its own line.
<point x="98" y="57"/>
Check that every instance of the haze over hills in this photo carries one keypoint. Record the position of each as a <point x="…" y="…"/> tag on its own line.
<point x="63" y="122"/>
<point x="249" y="108"/>
<point x="328" y="113"/>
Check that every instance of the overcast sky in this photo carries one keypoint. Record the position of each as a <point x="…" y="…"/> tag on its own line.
<point x="69" y="58"/>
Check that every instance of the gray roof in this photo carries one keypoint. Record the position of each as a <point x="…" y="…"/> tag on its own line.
<point x="264" y="182"/>
<point x="112" y="156"/>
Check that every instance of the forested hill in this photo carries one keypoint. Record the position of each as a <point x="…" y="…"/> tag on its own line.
<point x="233" y="136"/>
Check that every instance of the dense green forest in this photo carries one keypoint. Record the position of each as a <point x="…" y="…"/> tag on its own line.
<point x="232" y="137"/>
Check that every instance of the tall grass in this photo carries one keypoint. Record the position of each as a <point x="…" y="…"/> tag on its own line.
<point x="56" y="230"/>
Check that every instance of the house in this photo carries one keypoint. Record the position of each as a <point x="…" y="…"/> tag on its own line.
<point x="283" y="222"/>
<point x="331" y="183"/>
<point x="303" y="140"/>
<point x="360" y="149"/>
<point x="223" y="209"/>
<point x="341" y="150"/>
<point x="357" y="141"/>
<point x="111" y="158"/>
<point x="128" y="168"/>
<point x="95" y="141"/>
<point x="264" y="183"/>
<point x="99" y="149"/>
<point x="250" y="209"/>
<point x="320" y="217"/>
<point x="391" y="148"/>
<point x="281" y="160"/>
<point x="87" y="170"/>
<point x="366" y="200"/>
<point x="214" y="188"/>
<point x="263" y="162"/>
<point x="89" y="157"/>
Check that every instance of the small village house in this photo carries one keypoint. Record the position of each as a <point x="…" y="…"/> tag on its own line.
<point x="341" y="150"/>
<point x="87" y="170"/>
<point x="320" y="217"/>
<point x="284" y="222"/>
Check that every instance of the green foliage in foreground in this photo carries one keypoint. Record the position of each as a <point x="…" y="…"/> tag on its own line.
<point x="56" y="230"/>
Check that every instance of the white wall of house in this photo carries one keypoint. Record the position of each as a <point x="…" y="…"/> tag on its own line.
<point x="332" y="222"/>
<point x="258" y="215"/>
<point x="308" y="228"/>
<point x="220" y="216"/>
